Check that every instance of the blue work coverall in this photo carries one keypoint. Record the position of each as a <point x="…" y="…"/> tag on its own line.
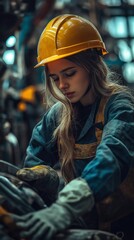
<point x="114" y="155"/>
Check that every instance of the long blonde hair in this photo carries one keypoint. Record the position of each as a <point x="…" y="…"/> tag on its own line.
<point x="102" y="84"/>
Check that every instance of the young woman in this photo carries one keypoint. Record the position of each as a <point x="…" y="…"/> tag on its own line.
<point x="89" y="129"/>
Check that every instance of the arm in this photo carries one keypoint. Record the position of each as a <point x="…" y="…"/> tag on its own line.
<point x="41" y="149"/>
<point x="73" y="201"/>
<point x="115" y="153"/>
<point x="41" y="157"/>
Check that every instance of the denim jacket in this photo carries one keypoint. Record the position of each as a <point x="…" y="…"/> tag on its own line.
<point x="106" y="165"/>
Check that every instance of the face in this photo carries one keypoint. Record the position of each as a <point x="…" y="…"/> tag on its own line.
<point x="72" y="80"/>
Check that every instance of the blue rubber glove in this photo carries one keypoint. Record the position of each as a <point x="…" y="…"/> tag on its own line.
<point x="73" y="201"/>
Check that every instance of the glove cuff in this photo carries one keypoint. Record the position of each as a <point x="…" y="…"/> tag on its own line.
<point x="77" y="197"/>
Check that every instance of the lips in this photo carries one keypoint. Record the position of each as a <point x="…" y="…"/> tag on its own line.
<point x="69" y="95"/>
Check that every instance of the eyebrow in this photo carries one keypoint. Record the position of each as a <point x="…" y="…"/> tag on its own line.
<point x="62" y="71"/>
<point x="69" y="68"/>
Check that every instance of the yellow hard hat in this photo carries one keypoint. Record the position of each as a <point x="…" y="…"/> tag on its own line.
<point x="66" y="35"/>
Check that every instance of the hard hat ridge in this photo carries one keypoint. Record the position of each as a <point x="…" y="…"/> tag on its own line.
<point x="66" y="35"/>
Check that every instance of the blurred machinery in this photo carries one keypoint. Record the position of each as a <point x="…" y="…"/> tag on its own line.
<point x="116" y="21"/>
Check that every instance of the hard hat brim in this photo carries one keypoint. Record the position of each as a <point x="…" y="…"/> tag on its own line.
<point x="56" y="57"/>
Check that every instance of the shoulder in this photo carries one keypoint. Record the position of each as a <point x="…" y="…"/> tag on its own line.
<point x="122" y="99"/>
<point x="53" y="113"/>
<point x="48" y="122"/>
<point x="120" y="103"/>
<point x="55" y="109"/>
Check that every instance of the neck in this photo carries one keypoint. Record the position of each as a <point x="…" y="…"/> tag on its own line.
<point x="88" y="98"/>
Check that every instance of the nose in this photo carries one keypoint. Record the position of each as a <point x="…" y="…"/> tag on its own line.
<point x="63" y="84"/>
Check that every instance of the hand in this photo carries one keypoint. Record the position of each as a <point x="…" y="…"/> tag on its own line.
<point x="74" y="200"/>
<point x="43" y="179"/>
<point x="43" y="223"/>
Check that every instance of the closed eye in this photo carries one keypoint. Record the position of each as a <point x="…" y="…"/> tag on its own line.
<point x="66" y="73"/>
<point x="69" y="73"/>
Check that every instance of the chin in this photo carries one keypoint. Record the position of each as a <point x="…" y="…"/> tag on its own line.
<point x="74" y="100"/>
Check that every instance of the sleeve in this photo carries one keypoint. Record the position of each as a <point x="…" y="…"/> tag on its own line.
<point x="115" y="153"/>
<point x="42" y="150"/>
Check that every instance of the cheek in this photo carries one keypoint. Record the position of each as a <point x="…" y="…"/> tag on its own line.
<point x="84" y="82"/>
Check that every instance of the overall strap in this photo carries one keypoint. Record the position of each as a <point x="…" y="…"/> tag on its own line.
<point x="83" y="151"/>
<point x="100" y="118"/>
